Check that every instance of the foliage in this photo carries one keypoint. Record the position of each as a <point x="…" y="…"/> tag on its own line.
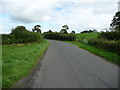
<point x="64" y="30"/>
<point x="21" y="35"/>
<point x="8" y="39"/>
<point x="116" y="21"/>
<point x="90" y="31"/>
<point x="111" y="46"/>
<point x="19" y="59"/>
<point x="37" y="28"/>
<point x="65" y="27"/>
<point x="85" y="37"/>
<point x="73" y="32"/>
<point x="110" y="35"/>
<point x="60" y="36"/>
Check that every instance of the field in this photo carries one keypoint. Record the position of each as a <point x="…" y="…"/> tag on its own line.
<point x="19" y="59"/>
<point x="85" y="37"/>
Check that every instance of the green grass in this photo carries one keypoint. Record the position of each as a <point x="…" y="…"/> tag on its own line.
<point x="0" y="66"/>
<point x="112" y="57"/>
<point x="18" y="60"/>
<point x="86" y="36"/>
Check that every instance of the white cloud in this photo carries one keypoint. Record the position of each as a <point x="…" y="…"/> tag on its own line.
<point x="78" y="14"/>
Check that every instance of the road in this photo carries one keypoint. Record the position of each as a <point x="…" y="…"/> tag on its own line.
<point x="67" y="66"/>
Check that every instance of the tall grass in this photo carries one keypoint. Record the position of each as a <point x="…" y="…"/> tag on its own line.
<point x="19" y="59"/>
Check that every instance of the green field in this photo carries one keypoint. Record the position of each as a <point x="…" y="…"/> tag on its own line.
<point x="19" y="59"/>
<point x="112" y="57"/>
<point x="85" y="37"/>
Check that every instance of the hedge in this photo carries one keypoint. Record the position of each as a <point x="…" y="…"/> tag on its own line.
<point x="60" y="36"/>
<point x="111" y="46"/>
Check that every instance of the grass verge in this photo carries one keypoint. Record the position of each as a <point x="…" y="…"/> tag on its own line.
<point x="18" y="60"/>
<point x="112" y="57"/>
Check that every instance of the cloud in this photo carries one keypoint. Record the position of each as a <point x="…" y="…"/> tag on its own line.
<point x="78" y="14"/>
<point x="28" y="11"/>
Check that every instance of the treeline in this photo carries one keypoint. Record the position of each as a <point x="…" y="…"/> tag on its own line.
<point x="59" y="36"/>
<point x="62" y="35"/>
<point x="89" y="31"/>
<point x="21" y="35"/>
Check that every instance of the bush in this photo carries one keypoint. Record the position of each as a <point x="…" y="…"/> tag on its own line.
<point x="21" y="35"/>
<point x="60" y="36"/>
<point x="110" y="35"/>
<point x="111" y="46"/>
<point x="8" y="39"/>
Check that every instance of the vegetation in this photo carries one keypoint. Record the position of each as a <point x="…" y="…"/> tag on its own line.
<point x="64" y="30"/>
<point x="90" y="31"/>
<point x="73" y="32"/>
<point x="116" y="21"/>
<point x="21" y="35"/>
<point x="111" y="36"/>
<point x="112" y="57"/>
<point x="109" y="40"/>
<point x="21" y="50"/>
<point x="60" y="36"/>
<point x="19" y="59"/>
<point x="107" y="45"/>
<point x="85" y="37"/>
<point x="37" y="28"/>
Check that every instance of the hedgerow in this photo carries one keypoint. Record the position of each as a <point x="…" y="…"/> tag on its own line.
<point x="21" y="35"/>
<point x="60" y="36"/>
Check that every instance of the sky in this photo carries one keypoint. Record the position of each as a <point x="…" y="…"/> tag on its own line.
<point x="79" y="15"/>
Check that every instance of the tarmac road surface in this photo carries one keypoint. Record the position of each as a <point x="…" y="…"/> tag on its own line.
<point x="67" y="66"/>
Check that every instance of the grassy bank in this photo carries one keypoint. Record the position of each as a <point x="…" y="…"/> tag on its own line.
<point x="85" y="37"/>
<point x="112" y="57"/>
<point x="19" y="59"/>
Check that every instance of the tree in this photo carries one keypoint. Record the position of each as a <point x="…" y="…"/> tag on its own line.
<point x="116" y="22"/>
<point x="37" y="28"/>
<point x="65" y="27"/>
<point x="64" y="30"/>
<point x="95" y="31"/>
<point x="18" y="29"/>
<point x="50" y="31"/>
<point x="73" y="32"/>
<point x="85" y="31"/>
<point x="90" y="31"/>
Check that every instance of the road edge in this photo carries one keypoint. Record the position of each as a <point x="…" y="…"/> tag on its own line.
<point x="23" y="83"/>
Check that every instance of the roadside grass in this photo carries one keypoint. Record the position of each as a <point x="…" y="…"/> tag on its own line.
<point x="112" y="57"/>
<point x="85" y="37"/>
<point x="19" y="59"/>
<point x="0" y="66"/>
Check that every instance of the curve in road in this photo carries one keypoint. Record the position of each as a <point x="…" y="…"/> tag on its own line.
<point x="67" y="66"/>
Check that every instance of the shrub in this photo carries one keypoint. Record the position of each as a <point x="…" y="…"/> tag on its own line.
<point x="8" y="39"/>
<point x="111" y="46"/>
<point x="21" y="35"/>
<point x="110" y="35"/>
<point x="60" y="36"/>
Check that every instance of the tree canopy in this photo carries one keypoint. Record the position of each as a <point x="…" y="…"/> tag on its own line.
<point x="37" y="28"/>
